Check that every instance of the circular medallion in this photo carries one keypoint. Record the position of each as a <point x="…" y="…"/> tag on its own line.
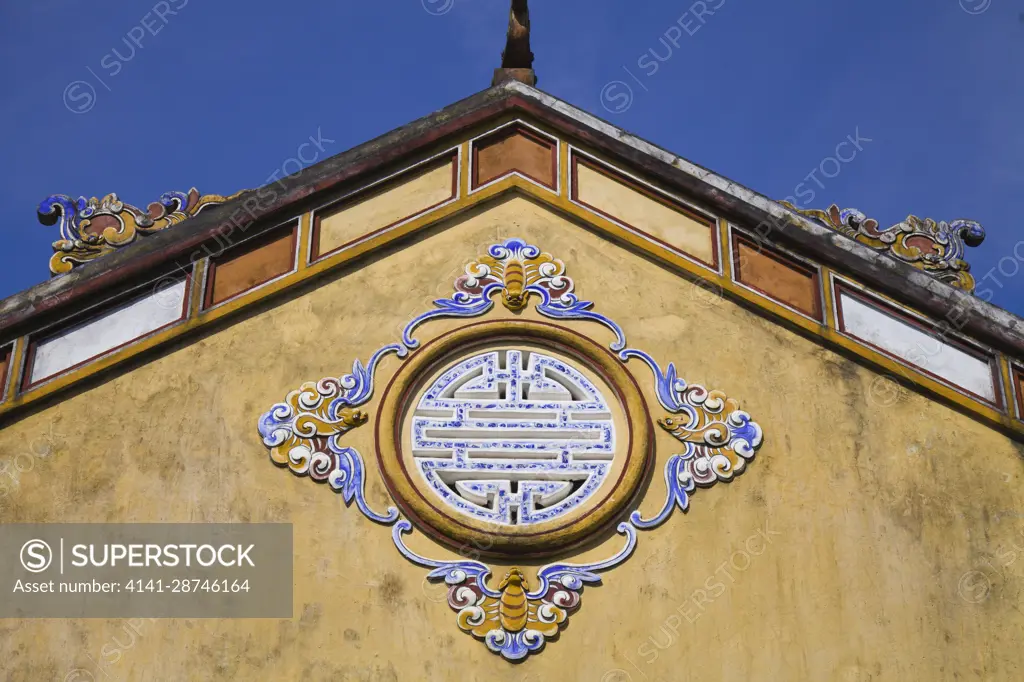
<point x="513" y="438"/>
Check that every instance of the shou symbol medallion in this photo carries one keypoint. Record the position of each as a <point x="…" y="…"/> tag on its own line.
<point x="516" y="427"/>
<point x="513" y="437"/>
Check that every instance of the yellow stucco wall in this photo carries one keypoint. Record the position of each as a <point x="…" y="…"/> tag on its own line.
<point x="857" y="546"/>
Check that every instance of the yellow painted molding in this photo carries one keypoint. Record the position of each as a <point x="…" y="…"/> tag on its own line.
<point x="465" y="165"/>
<point x="197" y="290"/>
<point x="725" y="246"/>
<point x="305" y="239"/>
<point x="829" y="299"/>
<point x="1009" y="390"/>
<point x="14" y="369"/>
<point x="564" y="172"/>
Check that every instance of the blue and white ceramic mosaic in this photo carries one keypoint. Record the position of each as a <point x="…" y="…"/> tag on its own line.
<point x="513" y="437"/>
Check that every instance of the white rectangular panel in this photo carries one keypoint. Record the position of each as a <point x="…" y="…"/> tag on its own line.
<point x="111" y="329"/>
<point x="916" y="347"/>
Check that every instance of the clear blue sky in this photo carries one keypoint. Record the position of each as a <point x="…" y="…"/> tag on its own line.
<point x="219" y="94"/>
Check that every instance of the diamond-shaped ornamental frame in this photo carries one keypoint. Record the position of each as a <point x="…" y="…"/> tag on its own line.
<point x="512" y="616"/>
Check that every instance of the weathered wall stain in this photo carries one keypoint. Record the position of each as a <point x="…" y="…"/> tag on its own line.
<point x="875" y="510"/>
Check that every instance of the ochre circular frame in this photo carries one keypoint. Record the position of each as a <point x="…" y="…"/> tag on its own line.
<point x="458" y="530"/>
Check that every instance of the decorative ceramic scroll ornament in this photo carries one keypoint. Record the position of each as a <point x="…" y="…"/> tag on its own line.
<point x="90" y="228"/>
<point x="938" y="248"/>
<point x="517" y="433"/>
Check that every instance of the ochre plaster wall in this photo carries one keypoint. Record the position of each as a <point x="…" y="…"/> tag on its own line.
<point x="838" y="555"/>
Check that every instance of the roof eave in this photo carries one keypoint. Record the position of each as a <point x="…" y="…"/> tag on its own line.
<point x="975" y="317"/>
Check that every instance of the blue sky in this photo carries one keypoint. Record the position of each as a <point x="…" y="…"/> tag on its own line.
<point x="217" y="95"/>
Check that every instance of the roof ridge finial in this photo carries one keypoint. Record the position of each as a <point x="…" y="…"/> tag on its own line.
<point x="517" y="59"/>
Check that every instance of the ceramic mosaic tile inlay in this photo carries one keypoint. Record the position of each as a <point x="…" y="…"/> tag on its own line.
<point x="513" y="437"/>
<point x="90" y="228"/>
<point x="937" y="247"/>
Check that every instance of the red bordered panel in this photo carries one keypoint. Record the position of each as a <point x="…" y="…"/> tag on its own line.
<point x="920" y="324"/>
<point x="150" y="290"/>
<point x="251" y="264"/>
<point x="375" y="190"/>
<point x="668" y="202"/>
<point x="778" y="276"/>
<point x="515" y="164"/>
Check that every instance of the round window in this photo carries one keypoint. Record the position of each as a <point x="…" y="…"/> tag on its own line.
<point x="517" y="437"/>
<point x="514" y="436"/>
